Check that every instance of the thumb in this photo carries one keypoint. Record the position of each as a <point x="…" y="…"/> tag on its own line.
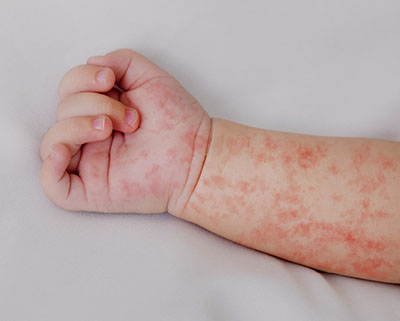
<point x="131" y="68"/>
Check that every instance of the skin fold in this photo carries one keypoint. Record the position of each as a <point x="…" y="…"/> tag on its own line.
<point x="147" y="146"/>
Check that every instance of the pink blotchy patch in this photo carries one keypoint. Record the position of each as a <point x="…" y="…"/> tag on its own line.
<point x="320" y="237"/>
<point x="237" y="145"/>
<point x="154" y="176"/>
<point x="309" y="156"/>
<point x="131" y="189"/>
<point x="333" y="169"/>
<point x="336" y="197"/>
<point x="270" y="144"/>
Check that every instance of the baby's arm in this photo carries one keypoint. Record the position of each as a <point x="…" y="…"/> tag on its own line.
<point x="329" y="203"/>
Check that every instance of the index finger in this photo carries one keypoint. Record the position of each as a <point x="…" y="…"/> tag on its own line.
<point x="86" y="78"/>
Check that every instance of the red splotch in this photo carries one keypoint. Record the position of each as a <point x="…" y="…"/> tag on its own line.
<point x="376" y="246"/>
<point x="230" y="203"/>
<point x="217" y="181"/>
<point x="269" y="234"/>
<point x="309" y="156"/>
<point x="157" y="92"/>
<point x="153" y="171"/>
<point x="237" y="145"/>
<point x="153" y="176"/>
<point x="162" y="93"/>
<point x="165" y="124"/>
<point x="356" y="240"/>
<point x="270" y="143"/>
<point x="371" y="171"/>
<point x="245" y="187"/>
<point x="241" y="200"/>
<point x="287" y="159"/>
<point x="361" y="155"/>
<point x="261" y="158"/>
<point x="288" y="215"/>
<point x="195" y="207"/>
<point x="287" y="196"/>
<point x="302" y="229"/>
<point x="369" y="212"/>
<point x="375" y="267"/>
<point x="131" y="189"/>
<point x="172" y="102"/>
<point x="155" y="187"/>
<point x="336" y="197"/>
<point x="385" y="162"/>
<point x="365" y="204"/>
<point x="381" y="214"/>
<point x="196" y="142"/>
<point x="203" y="197"/>
<point x="333" y="168"/>
<point x="259" y="184"/>
<point x="188" y="137"/>
<point x="214" y="219"/>
<point x="172" y="153"/>
<point x="368" y="183"/>
<point x="322" y="148"/>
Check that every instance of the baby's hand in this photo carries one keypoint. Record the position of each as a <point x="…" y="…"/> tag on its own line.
<point x="100" y="157"/>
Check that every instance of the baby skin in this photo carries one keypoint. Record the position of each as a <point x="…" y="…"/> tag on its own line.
<point x="129" y="138"/>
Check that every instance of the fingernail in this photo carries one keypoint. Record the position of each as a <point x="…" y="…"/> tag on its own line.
<point x="98" y="123"/>
<point x="130" y="117"/>
<point x="101" y="76"/>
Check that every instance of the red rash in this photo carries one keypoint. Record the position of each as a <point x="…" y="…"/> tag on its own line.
<point x="336" y="197"/>
<point x="172" y="153"/>
<point x="333" y="169"/>
<point x="154" y="176"/>
<point x="237" y="145"/>
<point x="306" y="156"/>
<point x="321" y="238"/>
<point x="370" y="170"/>
<point x="270" y="144"/>
<point x="152" y="187"/>
<point x="283" y="223"/>
<point x="130" y="189"/>
<point x="169" y="99"/>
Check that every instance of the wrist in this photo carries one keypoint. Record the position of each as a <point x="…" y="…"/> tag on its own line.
<point x="201" y="143"/>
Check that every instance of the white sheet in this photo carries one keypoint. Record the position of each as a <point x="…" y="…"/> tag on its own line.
<point x="318" y="67"/>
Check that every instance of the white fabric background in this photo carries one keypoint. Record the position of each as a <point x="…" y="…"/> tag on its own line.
<point x="317" y="67"/>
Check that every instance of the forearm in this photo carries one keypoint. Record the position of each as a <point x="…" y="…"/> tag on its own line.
<point x="329" y="203"/>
